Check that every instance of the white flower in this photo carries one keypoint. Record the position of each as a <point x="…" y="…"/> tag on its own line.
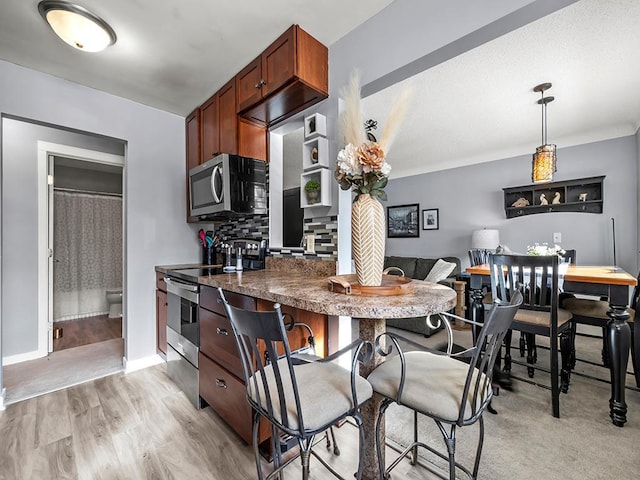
<point x="385" y="169"/>
<point x="348" y="160"/>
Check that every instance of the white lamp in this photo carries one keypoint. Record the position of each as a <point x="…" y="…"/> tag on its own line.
<point x="485" y="239"/>
<point x="77" y="26"/>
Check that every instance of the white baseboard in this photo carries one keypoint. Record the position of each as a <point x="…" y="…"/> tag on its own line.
<point x="3" y="394"/>
<point x="22" y="357"/>
<point x="140" y="363"/>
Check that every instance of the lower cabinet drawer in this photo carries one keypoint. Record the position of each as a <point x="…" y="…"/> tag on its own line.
<point x="227" y="395"/>
<point x="217" y="341"/>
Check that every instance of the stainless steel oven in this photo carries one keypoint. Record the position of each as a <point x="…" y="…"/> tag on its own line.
<point x="183" y="336"/>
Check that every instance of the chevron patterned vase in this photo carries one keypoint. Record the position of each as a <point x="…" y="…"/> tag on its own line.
<point x="367" y="239"/>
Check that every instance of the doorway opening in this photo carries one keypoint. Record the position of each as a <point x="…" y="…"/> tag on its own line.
<point x="86" y="232"/>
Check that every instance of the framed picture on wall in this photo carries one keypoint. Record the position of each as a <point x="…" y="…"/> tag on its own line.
<point x="403" y="221"/>
<point x="431" y="219"/>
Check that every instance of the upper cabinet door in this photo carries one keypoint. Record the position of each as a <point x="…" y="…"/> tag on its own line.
<point x="210" y="127"/>
<point x="192" y="134"/>
<point x="249" y="84"/>
<point x="227" y="118"/>
<point x="279" y="62"/>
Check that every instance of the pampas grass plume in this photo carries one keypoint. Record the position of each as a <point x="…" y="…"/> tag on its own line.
<point x="351" y="122"/>
<point x="396" y="115"/>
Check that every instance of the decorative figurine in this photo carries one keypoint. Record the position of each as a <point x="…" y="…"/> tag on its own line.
<point x="582" y="197"/>
<point x="556" y="198"/>
<point x="543" y="199"/>
<point x="521" y="202"/>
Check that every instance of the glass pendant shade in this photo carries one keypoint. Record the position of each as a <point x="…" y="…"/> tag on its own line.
<point x="76" y="26"/>
<point x="544" y="164"/>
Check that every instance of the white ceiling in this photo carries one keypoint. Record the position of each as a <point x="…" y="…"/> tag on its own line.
<point x="480" y="106"/>
<point x="171" y="54"/>
<point x="473" y="108"/>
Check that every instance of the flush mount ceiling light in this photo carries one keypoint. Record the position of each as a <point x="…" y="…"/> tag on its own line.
<point x="77" y="26"/>
<point x="544" y="160"/>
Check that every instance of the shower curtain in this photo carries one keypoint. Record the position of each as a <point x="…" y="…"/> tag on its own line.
<point x="87" y="246"/>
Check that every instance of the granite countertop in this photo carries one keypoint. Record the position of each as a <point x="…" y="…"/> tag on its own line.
<point x="310" y="292"/>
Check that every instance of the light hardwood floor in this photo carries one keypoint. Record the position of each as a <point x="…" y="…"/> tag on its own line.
<point x="138" y="426"/>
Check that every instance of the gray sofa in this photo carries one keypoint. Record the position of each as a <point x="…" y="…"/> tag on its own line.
<point x="419" y="268"/>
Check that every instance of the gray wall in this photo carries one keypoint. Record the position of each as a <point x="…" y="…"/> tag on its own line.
<point x="471" y="197"/>
<point x="155" y="229"/>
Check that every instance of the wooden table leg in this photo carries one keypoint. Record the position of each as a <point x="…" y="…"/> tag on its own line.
<point x="370" y="328"/>
<point x="618" y="338"/>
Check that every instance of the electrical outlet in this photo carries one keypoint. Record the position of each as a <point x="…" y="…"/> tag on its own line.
<point x="557" y="237"/>
<point x="311" y="244"/>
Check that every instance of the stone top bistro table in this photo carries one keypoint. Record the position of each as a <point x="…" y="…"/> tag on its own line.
<point x="612" y="282"/>
<point x="310" y="292"/>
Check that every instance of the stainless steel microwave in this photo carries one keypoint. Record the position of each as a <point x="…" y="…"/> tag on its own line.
<point x="228" y="185"/>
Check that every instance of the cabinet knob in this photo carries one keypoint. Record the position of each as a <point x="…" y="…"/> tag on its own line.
<point x="258" y="84"/>
<point x="220" y="383"/>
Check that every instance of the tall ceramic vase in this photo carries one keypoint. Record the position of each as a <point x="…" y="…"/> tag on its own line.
<point x="367" y="239"/>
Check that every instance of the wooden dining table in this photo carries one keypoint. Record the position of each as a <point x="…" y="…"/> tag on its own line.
<point x="605" y="281"/>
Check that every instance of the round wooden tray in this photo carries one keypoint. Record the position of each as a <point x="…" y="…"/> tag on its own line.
<point x="391" y="285"/>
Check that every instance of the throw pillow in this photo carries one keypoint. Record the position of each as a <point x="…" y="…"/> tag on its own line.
<point x="440" y="271"/>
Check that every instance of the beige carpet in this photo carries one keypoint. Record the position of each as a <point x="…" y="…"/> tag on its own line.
<point x="526" y="442"/>
<point x="62" y="369"/>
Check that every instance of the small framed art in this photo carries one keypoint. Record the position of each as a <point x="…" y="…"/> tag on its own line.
<point x="403" y="221"/>
<point x="431" y="219"/>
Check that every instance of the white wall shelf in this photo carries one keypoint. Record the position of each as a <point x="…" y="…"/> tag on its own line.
<point x="315" y="125"/>
<point x="315" y="153"/>
<point x="322" y="175"/>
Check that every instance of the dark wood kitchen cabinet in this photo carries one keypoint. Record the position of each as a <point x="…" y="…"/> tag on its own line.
<point x="161" y="314"/>
<point x="209" y="129"/>
<point x="221" y="378"/>
<point x="193" y="153"/>
<point x="223" y="131"/>
<point x="290" y="75"/>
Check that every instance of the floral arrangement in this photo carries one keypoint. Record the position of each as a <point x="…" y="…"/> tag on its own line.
<point x="544" y="250"/>
<point x="361" y="164"/>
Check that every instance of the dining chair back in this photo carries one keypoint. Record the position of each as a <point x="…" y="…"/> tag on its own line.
<point x="537" y="278"/>
<point x="300" y="399"/>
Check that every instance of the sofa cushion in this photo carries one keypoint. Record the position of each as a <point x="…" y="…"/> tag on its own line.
<point x="440" y="271"/>
<point x="407" y="264"/>
<point x="423" y="267"/>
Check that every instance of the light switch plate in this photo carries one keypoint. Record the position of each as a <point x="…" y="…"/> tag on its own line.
<point x="311" y="244"/>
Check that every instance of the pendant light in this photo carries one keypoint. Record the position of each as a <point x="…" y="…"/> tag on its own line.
<point x="544" y="160"/>
<point x="77" y="26"/>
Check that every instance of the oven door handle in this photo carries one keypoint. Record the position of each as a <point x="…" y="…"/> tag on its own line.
<point x="188" y="291"/>
<point x="189" y="287"/>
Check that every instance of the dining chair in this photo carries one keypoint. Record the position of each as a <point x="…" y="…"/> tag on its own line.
<point x="297" y="399"/>
<point x="439" y="385"/>
<point x="537" y="278"/>
<point x="594" y="312"/>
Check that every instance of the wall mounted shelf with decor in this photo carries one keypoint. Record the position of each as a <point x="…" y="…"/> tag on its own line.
<point x="579" y="195"/>
<point x="315" y="153"/>
<point x="323" y="177"/>
<point x="315" y="125"/>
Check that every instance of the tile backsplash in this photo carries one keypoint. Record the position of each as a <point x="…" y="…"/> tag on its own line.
<point x="325" y="230"/>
